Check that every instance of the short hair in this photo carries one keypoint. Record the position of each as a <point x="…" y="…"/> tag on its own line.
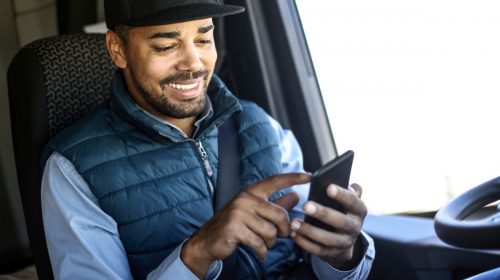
<point x="122" y="31"/>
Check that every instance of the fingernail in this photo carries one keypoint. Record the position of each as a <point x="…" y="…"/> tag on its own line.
<point x="295" y="226"/>
<point x="332" y="190"/>
<point x="309" y="208"/>
<point x="292" y="234"/>
<point x="352" y="189"/>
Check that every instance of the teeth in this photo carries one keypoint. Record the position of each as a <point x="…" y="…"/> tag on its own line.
<point x="183" y="87"/>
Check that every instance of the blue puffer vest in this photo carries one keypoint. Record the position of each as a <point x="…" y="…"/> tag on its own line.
<point x="152" y="179"/>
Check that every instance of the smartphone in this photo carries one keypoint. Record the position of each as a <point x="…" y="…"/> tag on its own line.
<point x="337" y="172"/>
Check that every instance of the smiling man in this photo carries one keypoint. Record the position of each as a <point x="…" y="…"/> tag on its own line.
<point x="128" y="191"/>
<point x="167" y="68"/>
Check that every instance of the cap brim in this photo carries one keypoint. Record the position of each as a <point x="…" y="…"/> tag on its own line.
<point x="186" y="13"/>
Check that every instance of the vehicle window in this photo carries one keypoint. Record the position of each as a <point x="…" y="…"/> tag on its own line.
<point x="413" y="87"/>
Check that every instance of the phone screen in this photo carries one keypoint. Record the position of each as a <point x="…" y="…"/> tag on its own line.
<point x="337" y="172"/>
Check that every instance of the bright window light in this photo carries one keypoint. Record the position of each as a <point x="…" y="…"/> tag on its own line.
<point x="413" y="87"/>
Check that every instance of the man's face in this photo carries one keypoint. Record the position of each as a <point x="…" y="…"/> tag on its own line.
<point x="168" y="67"/>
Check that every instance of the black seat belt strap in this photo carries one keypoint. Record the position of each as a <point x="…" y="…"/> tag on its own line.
<point x="228" y="179"/>
<point x="228" y="182"/>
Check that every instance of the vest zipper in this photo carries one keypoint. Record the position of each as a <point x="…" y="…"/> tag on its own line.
<point x="206" y="165"/>
<point x="253" y="265"/>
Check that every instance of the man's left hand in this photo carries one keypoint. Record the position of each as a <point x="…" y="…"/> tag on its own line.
<point x="341" y="248"/>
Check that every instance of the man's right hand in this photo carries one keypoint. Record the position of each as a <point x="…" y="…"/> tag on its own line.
<point x="249" y="219"/>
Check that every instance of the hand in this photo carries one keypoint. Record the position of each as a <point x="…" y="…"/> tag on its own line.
<point x="341" y="248"/>
<point x="248" y="219"/>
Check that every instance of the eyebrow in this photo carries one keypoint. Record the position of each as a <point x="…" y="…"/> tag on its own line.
<point x="175" y="34"/>
<point x="205" y="29"/>
<point x="165" y="35"/>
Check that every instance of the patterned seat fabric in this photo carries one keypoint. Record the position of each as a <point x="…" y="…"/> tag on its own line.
<point x="77" y="72"/>
<point x="52" y="82"/>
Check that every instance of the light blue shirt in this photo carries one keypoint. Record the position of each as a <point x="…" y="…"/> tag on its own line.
<point x="84" y="243"/>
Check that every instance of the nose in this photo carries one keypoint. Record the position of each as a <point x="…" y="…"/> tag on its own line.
<point x="190" y="59"/>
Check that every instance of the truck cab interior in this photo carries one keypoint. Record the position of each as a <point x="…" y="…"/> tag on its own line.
<point x="263" y="57"/>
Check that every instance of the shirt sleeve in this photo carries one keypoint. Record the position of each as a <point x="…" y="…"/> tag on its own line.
<point x="292" y="161"/>
<point x="82" y="239"/>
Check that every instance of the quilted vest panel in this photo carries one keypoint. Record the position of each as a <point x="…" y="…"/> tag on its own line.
<point x="152" y="180"/>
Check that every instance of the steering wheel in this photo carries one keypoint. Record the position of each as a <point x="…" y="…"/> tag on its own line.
<point x="453" y="226"/>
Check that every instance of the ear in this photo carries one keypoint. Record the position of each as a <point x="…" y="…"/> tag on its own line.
<point x="116" y="49"/>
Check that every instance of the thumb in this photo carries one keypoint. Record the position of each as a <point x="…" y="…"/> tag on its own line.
<point x="288" y="201"/>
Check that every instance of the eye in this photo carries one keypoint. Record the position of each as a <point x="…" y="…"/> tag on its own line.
<point x="162" y="49"/>
<point x="204" y="42"/>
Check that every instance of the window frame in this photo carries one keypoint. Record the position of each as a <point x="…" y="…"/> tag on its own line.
<point x="274" y="68"/>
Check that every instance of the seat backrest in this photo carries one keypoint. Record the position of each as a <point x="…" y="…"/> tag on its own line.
<point x="51" y="82"/>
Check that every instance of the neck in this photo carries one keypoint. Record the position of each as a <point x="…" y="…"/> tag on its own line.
<point x="186" y="125"/>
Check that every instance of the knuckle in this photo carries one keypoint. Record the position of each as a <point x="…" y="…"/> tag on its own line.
<point x="349" y="225"/>
<point x="322" y="251"/>
<point x="235" y="217"/>
<point x="262" y="203"/>
<point x="316" y="251"/>
<point x="233" y="225"/>
<point x="240" y="199"/>
<point x="358" y="227"/>
<point x="331" y="254"/>
<point x="351" y="198"/>
<point x="330" y="242"/>
<point x="250" y="240"/>
<point x="272" y="232"/>
<point x="364" y="211"/>
<point x="351" y="242"/>
<point x="250" y="191"/>
<point x="346" y="243"/>
<point x="258" y="244"/>
<point x="271" y="242"/>
<point x="269" y="231"/>
<point x="345" y="255"/>
<point x="282" y="214"/>
<point x="245" y="194"/>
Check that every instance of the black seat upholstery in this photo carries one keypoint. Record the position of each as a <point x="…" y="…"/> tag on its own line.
<point x="52" y="82"/>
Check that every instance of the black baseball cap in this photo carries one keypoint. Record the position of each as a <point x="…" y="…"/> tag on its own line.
<point x="157" y="12"/>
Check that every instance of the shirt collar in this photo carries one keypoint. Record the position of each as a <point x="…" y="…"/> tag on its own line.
<point x="222" y="104"/>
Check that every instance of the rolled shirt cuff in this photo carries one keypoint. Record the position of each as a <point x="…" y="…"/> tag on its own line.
<point x="174" y="268"/>
<point x="323" y="270"/>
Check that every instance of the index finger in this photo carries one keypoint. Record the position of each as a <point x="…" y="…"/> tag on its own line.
<point x="267" y="187"/>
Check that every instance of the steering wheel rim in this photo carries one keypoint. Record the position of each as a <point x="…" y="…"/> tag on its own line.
<point x="484" y="233"/>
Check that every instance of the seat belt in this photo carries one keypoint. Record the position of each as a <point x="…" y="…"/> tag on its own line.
<point x="228" y="178"/>
<point x="228" y="182"/>
<point x="228" y="186"/>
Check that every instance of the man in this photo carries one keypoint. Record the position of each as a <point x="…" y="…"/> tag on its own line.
<point x="128" y="190"/>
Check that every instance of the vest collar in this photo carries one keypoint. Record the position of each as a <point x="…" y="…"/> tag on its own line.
<point x="224" y="104"/>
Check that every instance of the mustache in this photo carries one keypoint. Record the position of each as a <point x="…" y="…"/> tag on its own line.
<point x="184" y="76"/>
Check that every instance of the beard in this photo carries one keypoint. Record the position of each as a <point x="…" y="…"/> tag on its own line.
<point x="162" y="102"/>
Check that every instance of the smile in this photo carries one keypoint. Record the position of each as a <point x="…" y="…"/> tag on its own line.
<point x="184" y="87"/>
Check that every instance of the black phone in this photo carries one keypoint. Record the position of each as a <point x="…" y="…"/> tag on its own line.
<point x="336" y="171"/>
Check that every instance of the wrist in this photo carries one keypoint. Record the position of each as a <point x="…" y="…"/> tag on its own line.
<point x="193" y="256"/>
<point x="354" y="258"/>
